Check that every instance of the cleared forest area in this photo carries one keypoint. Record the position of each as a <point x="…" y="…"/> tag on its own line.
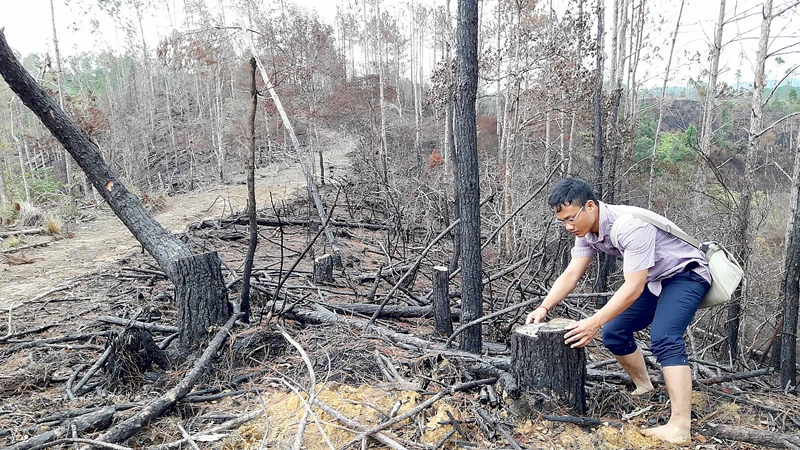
<point x="354" y="132"/>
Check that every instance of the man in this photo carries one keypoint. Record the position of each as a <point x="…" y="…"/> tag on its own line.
<point x="665" y="281"/>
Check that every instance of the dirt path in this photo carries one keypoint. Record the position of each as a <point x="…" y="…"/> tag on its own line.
<point x="98" y="243"/>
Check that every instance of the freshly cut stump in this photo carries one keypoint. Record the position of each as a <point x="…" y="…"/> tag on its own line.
<point x="542" y="363"/>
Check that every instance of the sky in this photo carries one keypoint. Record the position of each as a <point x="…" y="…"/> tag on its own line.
<point x="28" y="29"/>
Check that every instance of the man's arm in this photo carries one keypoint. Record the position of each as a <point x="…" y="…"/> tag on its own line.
<point x="582" y="332"/>
<point x="562" y="287"/>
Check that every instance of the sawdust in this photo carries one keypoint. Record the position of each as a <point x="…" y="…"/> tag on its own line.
<point x="368" y="405"/>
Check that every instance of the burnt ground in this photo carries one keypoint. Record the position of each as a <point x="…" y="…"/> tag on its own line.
<point x="56" y="328"/>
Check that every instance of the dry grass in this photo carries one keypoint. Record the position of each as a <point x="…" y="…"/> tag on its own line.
<point x="13" y="242"/>
<point x="53" y="224"/>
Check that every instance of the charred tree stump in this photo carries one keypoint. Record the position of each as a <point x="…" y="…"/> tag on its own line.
<point x="541" y="362"/>
<point x="132" y="354"/>
<point x="201" y="297"/>
<point x="443" y="320"/>
<point x="323" y="269"/>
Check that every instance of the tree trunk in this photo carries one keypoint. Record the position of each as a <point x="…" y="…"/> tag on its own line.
<point x="541" y="362"/>
<point x="67" y="157"/>
<point x="598" y="104"/>
<point x="451" y="145"/>
<point x="22" y="169"/>
<point x="416" y="60"/>
<point x="746" y="195"/>
<point x="4" y="198"/>
<point x="706" y="129"/>
<point x="251" y="195"/>
<point x="204" y="287"/>
<point x="201" y="296"/>
<point x="599" y="181"/>
<point x="791" y="299"/>
<point x="654" y="157"/>
<point x="289" y="129"/>
<point x="382" y="107"/>
<point x="469" y="188"/>
<point x="442" y="317"/>
<point x="323" y="269"/>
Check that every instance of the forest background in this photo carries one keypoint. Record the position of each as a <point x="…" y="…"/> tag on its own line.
<point x="718" y="152"/>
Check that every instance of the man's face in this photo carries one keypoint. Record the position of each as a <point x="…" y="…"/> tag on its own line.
<point x="575" y="218"/>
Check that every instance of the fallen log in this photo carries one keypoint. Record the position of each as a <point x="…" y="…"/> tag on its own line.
<point x="22" y="344"/>
<point x="389" y="311"/>
<point x="152" y="327"/>
<point x="742" y="399"/>
<point x="504" y="378"/>
<point x="24" y="247"/>
<point x="320" y="316"/>
<point x="5" y="234"/>
<point x="754" y="436"/>
<point x="491" y="316"/>
<point x="71" y="414"/>
<point x="31" y="331"/>
<point x="737" y="376"/>
<point x="285" y="221"/>
<point x="94" y="420"/>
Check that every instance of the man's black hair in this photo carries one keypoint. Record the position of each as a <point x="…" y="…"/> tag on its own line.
<point x="571" y="191"/>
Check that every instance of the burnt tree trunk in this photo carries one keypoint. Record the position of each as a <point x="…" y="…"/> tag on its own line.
<point x="468" y="174"/>
<point x="169" y="252"/>
<point x="541" y="362"/>
<point x="442" y="317"/>
<point x="323" y="269"/>
<point x="787" y="348"/>
<point x="252" y="220"/>
<point x="197" y="309"/>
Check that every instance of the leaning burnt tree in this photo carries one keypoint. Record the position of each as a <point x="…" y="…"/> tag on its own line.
<point x="200" y="292"/>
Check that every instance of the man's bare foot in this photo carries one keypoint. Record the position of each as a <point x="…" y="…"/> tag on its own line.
<point x="641" y="390"/>
<point x="670" y="433"/>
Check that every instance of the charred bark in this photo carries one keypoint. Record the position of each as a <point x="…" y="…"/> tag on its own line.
<point x="469" y="184"/>
<point x="441" y="301"/>
<point x="200" y="305"/>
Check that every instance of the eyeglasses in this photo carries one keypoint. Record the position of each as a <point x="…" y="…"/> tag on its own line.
<point x="572" y="219"/>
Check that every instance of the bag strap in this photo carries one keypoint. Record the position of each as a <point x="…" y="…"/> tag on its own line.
<point x="660" y="225"/>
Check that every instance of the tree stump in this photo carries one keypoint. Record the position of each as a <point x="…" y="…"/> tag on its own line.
<point x="323" y="269"/>
<point x="201" y="297"/>
<point x="442" y="318"/>
<point x="541" y="362"/>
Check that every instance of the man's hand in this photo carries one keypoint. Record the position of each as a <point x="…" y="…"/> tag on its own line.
<point x="536" y="316"/>
<point x="582" y="332"/>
